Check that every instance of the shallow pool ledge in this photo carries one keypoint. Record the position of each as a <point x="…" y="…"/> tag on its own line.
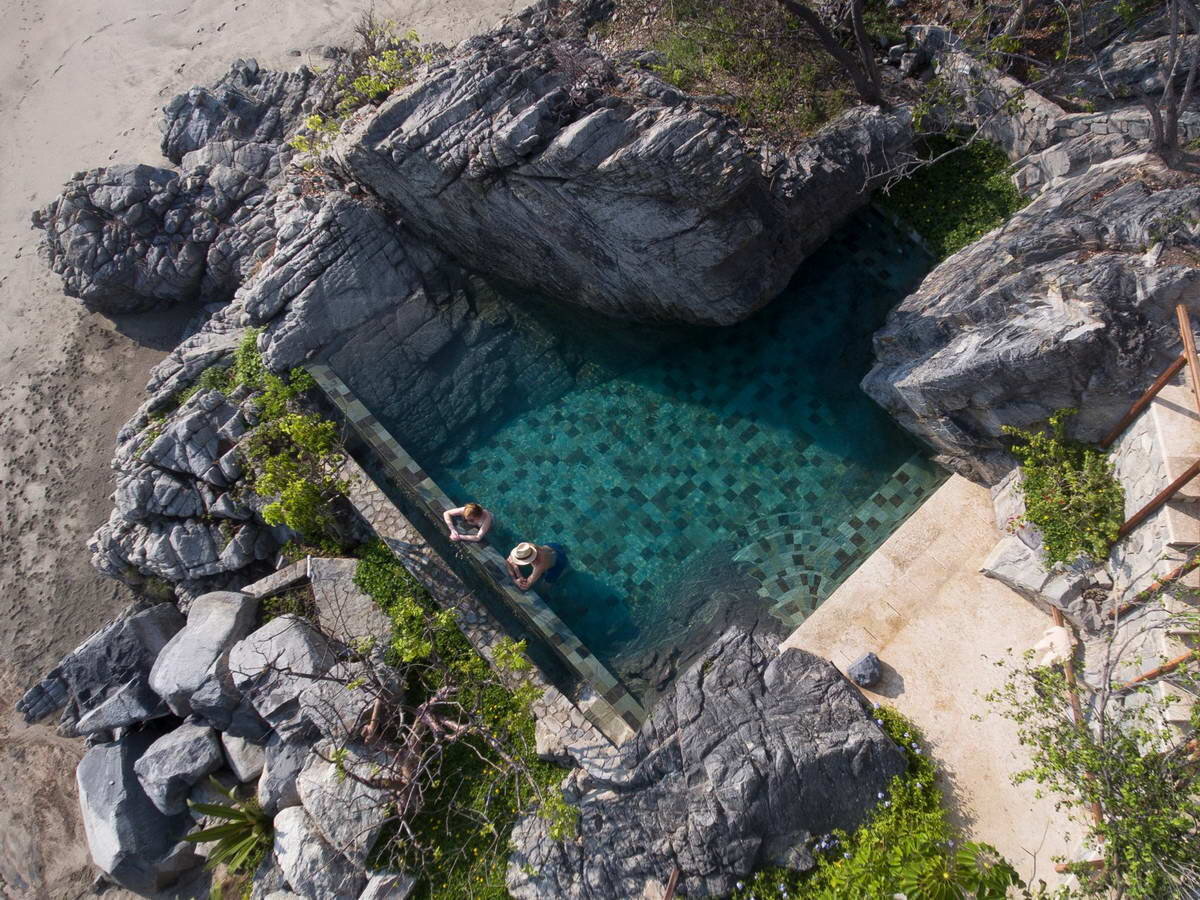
<point x="605" y="702"/>
<point x="938" y="625"/>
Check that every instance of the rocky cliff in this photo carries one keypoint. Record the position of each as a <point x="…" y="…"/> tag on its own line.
<point x="747" y="759"/>
<point x="1070" y="303"/>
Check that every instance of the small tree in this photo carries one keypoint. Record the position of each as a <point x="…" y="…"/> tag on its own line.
<point x="1122" y="761"/>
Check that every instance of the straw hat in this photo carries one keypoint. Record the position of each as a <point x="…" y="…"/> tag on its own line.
<point x="523" y="554"/>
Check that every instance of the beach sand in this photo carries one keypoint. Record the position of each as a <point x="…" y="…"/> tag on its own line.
<point x="81" y="86"/>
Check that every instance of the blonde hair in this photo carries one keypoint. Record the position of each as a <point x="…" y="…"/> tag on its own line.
<point x="472" y="511"/>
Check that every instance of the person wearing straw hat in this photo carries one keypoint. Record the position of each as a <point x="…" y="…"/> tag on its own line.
<point x="543" y="560"/>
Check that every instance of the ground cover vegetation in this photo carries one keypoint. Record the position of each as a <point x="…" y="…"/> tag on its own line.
<point x="959" y="198"/>
<point x="380" y="62"/>
<point x="474" y="773"/>
<point x="1071" y="494"/>
<point x="907" y="846"/>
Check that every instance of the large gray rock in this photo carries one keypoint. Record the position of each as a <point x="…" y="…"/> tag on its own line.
<point x="349" y="814"/>
<point x="537" y="161"/>
<point x="1059" y="307"/>
<point x="749" y="756"/>
<point x="215" y="623"/>
<point x="104" y="679"/>
<point x="276" y="664"/>
<point x="313" y="869"/>
<point x="175" y="762"/>
<point x="128" y="837"/>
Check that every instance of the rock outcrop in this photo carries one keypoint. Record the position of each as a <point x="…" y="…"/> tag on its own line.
<point x="130" y="839"/>
<point x="104" y="682"/>
<point x="1069" y="304"/>
<point x="741" y="764"/>
<point x="177" y="515"/>
<point x="540" y="162"/>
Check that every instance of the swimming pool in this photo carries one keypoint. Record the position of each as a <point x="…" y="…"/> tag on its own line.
<point x="737" y="475"/>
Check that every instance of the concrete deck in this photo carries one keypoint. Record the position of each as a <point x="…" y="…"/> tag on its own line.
<point x="920" y="603"/>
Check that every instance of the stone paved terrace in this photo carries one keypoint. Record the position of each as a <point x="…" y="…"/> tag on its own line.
<point x="921" y="604"/>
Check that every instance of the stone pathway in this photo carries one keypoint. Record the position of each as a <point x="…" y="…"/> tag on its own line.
<point x="937" y="624"/>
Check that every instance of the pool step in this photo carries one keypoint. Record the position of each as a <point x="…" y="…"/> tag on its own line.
<point x="797" y="564"/>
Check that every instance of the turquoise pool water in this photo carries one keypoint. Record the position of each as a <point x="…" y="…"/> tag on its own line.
<point x="738" y="475"/>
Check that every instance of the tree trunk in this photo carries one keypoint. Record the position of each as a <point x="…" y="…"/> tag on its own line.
<point x="868" y="89"/>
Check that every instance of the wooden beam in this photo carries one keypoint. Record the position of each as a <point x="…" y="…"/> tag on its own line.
<point x="672" y="884"/>
<point x="1143" y="401"/>
<point x="1165" y="669"/>
<point x="1142" y="596"/>
<point x="1189" y="350"/>
<point x="1163" y="496"/>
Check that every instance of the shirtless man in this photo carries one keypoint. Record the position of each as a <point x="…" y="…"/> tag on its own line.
<point x="548" y="560"/>
<point x="475" y="516"/>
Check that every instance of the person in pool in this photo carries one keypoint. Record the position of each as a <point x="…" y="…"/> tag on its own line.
<point x="544" y="560"/>
<point x="475" y="516"/>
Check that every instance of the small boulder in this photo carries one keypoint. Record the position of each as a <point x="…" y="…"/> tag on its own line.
<point x="175" y="762"/>
<point x="129" y="838"/>
<point x="313" y="869"/>
<point x="388" y="886"/>
<point x="131" y="703"/>
<point x="348" y="813"/>
<point x="277" y="784"/>
<point x="867" y="671"/>
<point x="215" y="623"/>
<point x="246" y="760"/>
<point x="273" y="666"/>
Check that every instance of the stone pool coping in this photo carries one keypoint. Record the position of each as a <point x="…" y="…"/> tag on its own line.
<point x="608" y="705"/>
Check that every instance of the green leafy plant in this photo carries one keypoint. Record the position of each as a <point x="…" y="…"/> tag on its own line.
<point x="958" y="199"/>
<point x="381" y="64"/>
<point x="244" y="835"/>
<point x="1070" y="492"/>
<point x="1122" y="761"/>
<point x="907" y="845"/>
<point x="459" y="840"/>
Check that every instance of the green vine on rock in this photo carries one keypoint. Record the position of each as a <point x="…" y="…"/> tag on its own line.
<point x="1071" y="494"/>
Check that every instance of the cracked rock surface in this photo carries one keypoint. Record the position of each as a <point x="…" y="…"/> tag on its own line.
<point x="747" y="758"/>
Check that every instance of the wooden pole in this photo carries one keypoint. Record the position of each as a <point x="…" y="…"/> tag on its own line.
<point x="1076" y="709"/>
<point x="1143" y="401"/>
<point x="1163" y="496"/>
<point x="672" y="884"/>
<point x="1165" y="669"/>
<point x="1189" y="350"/>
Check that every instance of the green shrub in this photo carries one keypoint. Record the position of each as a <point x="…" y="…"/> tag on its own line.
<point x="297" y="461"/>
<point x="459" y="841"/>
<point x="1122" y="761"/>
<point x="907" y="846"/>
<point x="244" y="836"/>
<point x="760" y="57"/>
<point x="1070" y="492"/>
<point x="956" y="201"/>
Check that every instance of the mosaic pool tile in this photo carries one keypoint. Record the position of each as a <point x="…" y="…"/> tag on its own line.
<point x="740" y="474"/>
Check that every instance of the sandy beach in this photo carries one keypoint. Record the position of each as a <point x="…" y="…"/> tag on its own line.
<point x="81" y="86"/>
